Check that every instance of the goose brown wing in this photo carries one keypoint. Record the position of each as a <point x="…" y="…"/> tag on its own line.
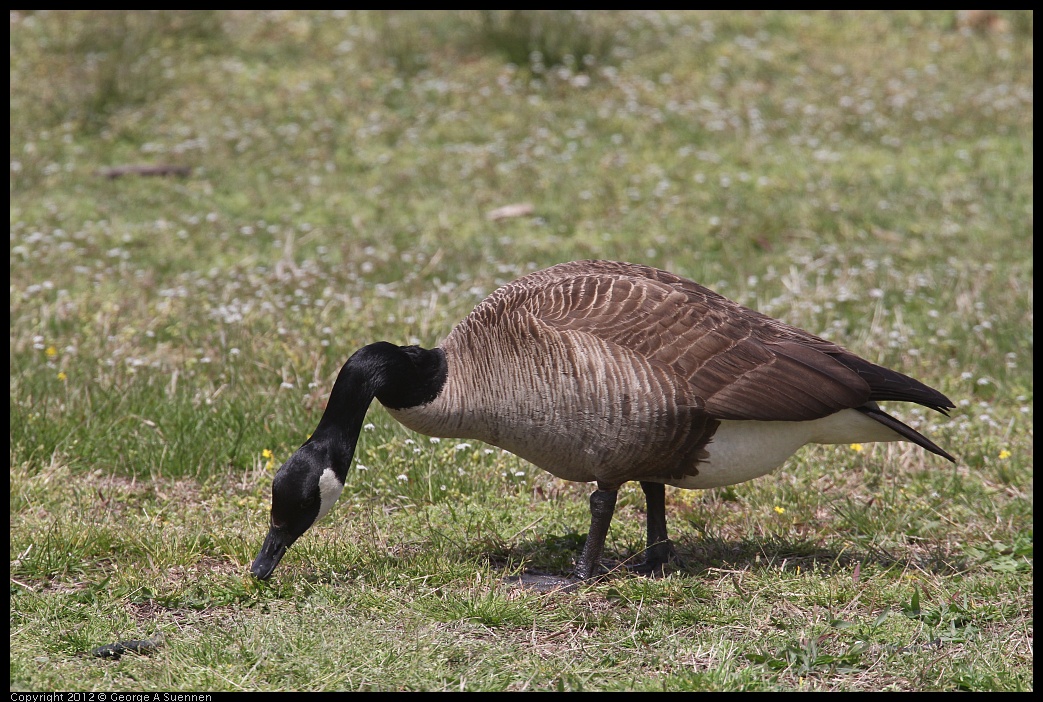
<point x="739" y="363"/>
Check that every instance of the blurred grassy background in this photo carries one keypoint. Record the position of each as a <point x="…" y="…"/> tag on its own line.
<point x="866" y="176"/>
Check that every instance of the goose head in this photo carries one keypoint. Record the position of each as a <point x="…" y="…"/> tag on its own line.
<point x="303" y="492"/>
<point x="307" y="486"/>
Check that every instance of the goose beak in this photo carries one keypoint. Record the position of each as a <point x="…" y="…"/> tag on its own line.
<point x="275" y="545"/>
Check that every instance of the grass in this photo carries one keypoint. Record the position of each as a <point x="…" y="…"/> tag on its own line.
<point x="866" y="176"/>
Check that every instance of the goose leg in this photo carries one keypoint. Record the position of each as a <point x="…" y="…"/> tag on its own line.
<point x="602" y="506"/>
<point x="659" y="551"/>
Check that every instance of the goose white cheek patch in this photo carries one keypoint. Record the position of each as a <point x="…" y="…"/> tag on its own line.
<point x="329" y="490"/>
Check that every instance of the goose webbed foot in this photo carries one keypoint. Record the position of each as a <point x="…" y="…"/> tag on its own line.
<point x="541" y="582"/>
<point x="658" y="559"/>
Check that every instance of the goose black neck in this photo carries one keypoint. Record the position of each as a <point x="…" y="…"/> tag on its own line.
<point x="398" y="376"/>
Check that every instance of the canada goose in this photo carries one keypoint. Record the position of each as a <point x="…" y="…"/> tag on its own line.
<point x="606" y="372"/>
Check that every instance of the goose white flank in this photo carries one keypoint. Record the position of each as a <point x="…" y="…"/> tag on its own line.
<point x="605" y="372"/>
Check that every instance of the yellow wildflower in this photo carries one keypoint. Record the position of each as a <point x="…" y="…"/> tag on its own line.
<point x="779" y="510"/>
<point x="62" y="377"/>
<point x="1004" y="454"/>
<point x="51" y="352"/>
<point x="856" y="447"/>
